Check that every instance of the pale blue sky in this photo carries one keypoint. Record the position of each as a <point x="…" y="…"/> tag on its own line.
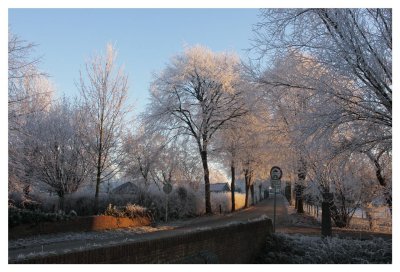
<point x="145" y="38"/>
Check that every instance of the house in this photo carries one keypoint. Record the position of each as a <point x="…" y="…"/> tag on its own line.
<point x="221" y="187"/>
<point x="240" y="186"/>
<point x="126" y="188"/>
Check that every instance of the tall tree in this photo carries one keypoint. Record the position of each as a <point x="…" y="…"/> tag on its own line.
<point x="103" y="88"/>
<point x="197" y="94"/>
<point x="55" y="155"/>
<point x="228" y="145"/>
<point x="29" y="93"/>
<point x="354" y="44"/>
<point x="305" y="96"/>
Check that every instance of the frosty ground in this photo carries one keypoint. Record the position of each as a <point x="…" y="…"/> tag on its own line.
<point x="305" y="249"/>
<point x="300" y="242"/>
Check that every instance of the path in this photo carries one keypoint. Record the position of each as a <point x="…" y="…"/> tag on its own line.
<point x="287" y="222"/>
<point x="67" y="242"/>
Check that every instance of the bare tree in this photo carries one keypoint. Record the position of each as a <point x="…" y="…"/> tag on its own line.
<point x="29" y="92"/>
<point x="55" y="155"/>
<point x="353" y="44"/>
<point x="197" y="95"/>
<point x="254" y="152"/>
<point x="142" y="153"/>
<point x="308" y="98"/>
<point x="382" y="162"/>
<point x="228" y="146"/>
<point x="104" y="91"/>
<point x="29" y="89"/>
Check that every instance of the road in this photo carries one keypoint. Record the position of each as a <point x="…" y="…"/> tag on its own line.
<point x="67" y="242"/>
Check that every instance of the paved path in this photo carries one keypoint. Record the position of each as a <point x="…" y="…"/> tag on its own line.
<point x="67" y="242"/>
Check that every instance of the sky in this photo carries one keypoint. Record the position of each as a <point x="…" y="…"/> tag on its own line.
<point x="145" y="39"/>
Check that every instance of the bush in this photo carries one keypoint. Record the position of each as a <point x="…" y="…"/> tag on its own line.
<point x="130" y="210"/>
<point x="183" y="202"/>
<point x="224" y="199"/>
<point x="17" y="216"/>
<point x="24" y="201"/>
<point x="301" y="249"/>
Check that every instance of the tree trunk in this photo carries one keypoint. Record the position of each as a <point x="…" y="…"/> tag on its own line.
<point x="326" y="224"/>
<point x="299" y="199"/>
<point x="206" y="179"/>
<point x="98" y="180"/>
<point x="98" y="166"/>
<point x="246" y="199"/>
<point x="301" y="174"/>
<point x="371" y="221"/>
<point x="233" y="186"/>
<point x="300" y="208"/>
<point x="247" y="180"/>
<point x="61" y="200"/>
<point x="382" y="181"/>
<point x="252" y="195"/>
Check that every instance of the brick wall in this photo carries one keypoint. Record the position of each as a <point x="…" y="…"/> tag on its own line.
<point x="233" y="243"/>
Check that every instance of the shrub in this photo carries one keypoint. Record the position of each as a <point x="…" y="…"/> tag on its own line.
<point x="17" y="216"/>
<point x="301" y="249"/>
<point x="24" y="201"/>
<point x="130" y="210"/>
<point x="183" y="202"/>
<point x="224" y="199"/>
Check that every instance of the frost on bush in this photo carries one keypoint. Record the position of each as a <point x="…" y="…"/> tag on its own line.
<point x="130" y="210"/>
<point x="300" y="249"/>
<point x="72" y="213"/>
<point x="17" y="216"/>
<point x="183" y="202"/>
<point x="223" y="200"/>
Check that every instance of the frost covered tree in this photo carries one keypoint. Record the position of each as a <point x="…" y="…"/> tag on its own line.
<point x="29" y="89"/>
<point x="103" y="87"/>
<point x="231" y="144"/>
<point x="228" y="145"/>
<point x="382" y="163"/>
<point x="29" y="92"/>
<point x="197" y="95"/>
<point x="54" y="153"/>
<point x="349" y="177"/>
<point x="153" y="158"/>
<point x="355" y="44"/>
<point x="350" y="76"/>
<point x="289" y="106"/>
<point x="142" y="152"/>
<point x="253" y="157"/>
<point x="245" y="147"/>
